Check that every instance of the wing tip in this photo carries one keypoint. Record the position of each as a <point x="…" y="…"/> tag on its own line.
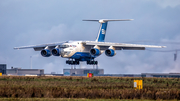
<point x="15" y="48"/>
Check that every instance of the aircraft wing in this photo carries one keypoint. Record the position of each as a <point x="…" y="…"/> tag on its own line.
<point x="40" y="46"/>
<point x="120" y="46"/>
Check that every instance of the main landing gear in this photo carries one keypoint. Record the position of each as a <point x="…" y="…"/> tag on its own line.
<point x="71" y="62"/>
<point x="75" y="62"/>
<point x="92" y="62"/>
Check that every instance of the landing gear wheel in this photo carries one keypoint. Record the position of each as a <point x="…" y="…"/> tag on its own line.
<point x="92" y="62"/>
<point x="72" y="62"/>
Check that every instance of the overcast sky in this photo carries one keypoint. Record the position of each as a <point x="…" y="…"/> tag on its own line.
<point x="31" y="22"/>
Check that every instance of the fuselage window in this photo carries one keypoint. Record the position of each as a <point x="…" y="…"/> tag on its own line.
<point x="64" y="46"/>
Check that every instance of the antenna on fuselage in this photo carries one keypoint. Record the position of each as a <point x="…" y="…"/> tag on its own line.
<point x="103" y="27"/>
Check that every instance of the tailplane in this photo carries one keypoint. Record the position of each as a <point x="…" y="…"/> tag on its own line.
<point x="103" y="27"/>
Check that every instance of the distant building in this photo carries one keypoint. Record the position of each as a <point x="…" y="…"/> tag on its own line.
<point x="119" y="75"/>
<point x="100" y="72"/>
<point x="19" y="71"/>
<point x="53" y="72"/>
<point x="83" y="72"/>
<point x="171" y="75"/>
<point x="168" y="75"/>
<point x="3" y="68"/>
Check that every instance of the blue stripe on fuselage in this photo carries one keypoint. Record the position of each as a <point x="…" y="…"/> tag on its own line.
<point x="82" y="56"/>
<point x="102" y="33"/>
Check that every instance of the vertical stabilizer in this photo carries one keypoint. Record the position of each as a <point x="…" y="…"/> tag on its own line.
<point x="103" y="27"/>
<point x="102" y="32"/>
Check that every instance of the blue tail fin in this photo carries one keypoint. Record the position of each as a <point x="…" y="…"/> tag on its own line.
<point x="102" y="32"/>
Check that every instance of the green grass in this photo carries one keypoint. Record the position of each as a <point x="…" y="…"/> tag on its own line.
<point x="92" y="88"/>
<point x="73" y="99"/>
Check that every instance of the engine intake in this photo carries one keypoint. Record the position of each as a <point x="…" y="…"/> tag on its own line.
<point x="95" y="52"/>
<point x="110" y="52"/>
<point x="56" y="52"/>
<point x="46" y="53"/>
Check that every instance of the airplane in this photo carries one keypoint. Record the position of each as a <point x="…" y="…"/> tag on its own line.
<point x="77" y="51"/>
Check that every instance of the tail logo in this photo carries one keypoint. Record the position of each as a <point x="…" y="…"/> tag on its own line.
<point x="103" y="31"/>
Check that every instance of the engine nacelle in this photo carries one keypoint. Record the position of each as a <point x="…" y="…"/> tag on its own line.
<point x="46" y="53"/>
<point x="95" y="52"/>
<point x="110" y="52"/>
<point x="56" y="52"/>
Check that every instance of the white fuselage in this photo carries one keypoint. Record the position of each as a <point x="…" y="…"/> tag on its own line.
<point x="73" y="47"/>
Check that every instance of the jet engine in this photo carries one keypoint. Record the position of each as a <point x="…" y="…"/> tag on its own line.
<point x="46" y="53"/>
<point x="95" y="52"/>
<point x="110" y="52"/>
<point x="56" y="52"/>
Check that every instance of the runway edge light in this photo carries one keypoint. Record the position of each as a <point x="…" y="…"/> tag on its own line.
<point x="138" y="84"/>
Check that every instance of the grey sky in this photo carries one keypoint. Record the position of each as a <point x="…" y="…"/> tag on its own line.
<point x="30" y="22"/>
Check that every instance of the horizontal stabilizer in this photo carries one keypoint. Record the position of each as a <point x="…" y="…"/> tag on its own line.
<point x="106" y="20"/>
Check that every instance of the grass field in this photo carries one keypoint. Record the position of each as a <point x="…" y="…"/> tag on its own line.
<point x="72" y="99"/>
<point x="89" y="88"/>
